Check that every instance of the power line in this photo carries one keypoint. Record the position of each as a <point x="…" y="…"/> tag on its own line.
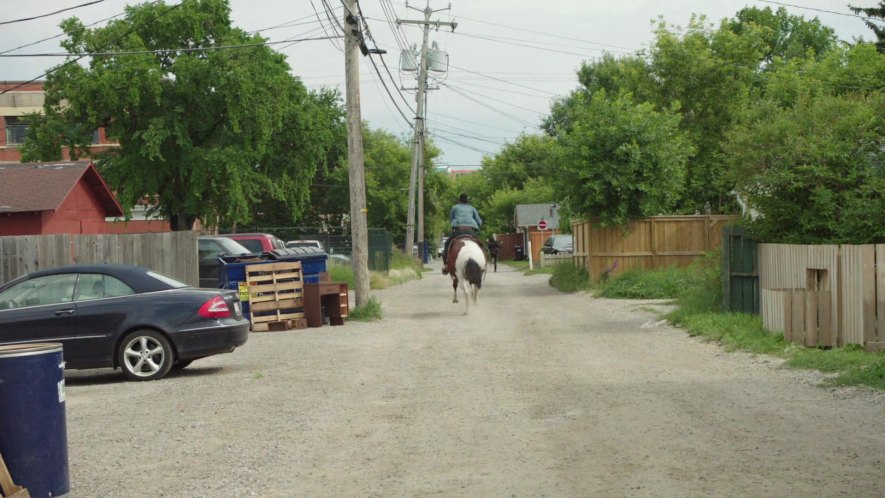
<point x="493" y="109"/>
<point x="465" y="146"/>
<point x="398" y="34"/>
<point x="58" y="35"/>
<point x="387" y="69"/>
<point x="545" y="97"/>
<point x="168" y="50"/>
<point x="536" y="47"/>
<point x="822" y="10"/>
<point x="493" y="78"/>
<point x="497" y="139"/>
<point x="288" y="24"/>
<point x="449" y="85"/>
<point x="455" y="118"/>
<point x="548" y="34"/>
<point x="465" y="135"/>
<point x="335" y="44"/>
<point x="52" y="13"/>
<point x="124" y="35"/>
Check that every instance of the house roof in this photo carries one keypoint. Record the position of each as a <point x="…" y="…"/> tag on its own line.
<point x="44" y="186"/>
<point x="529" y="215"/>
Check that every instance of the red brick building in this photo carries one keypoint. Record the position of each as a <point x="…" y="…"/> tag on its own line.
<point x="19" y="100"/>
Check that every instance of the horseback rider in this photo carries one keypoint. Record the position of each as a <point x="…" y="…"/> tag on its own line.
<point x="464" y="219"/>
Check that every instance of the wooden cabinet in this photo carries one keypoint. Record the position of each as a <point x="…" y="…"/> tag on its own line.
<point x="329" y="295"/>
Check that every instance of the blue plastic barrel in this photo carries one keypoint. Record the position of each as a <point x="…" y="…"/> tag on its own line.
<point x="33" y="432"/>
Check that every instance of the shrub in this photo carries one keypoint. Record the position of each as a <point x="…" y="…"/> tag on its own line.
<point x="568" y="277"/>
<point x="647" y="284"/>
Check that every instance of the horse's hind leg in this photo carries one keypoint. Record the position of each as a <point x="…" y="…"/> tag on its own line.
<point x="455" y="288"/>
<point x="466" y="286"/>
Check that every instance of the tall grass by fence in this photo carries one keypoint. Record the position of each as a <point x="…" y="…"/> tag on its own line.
<point x="171" y="253"/>
<point x="646" y="243"/>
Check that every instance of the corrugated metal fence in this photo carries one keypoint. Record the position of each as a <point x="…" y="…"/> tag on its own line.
<point x="171" y="253"/>
<point x="646" y="243"/>
<point x="824" y="295"/>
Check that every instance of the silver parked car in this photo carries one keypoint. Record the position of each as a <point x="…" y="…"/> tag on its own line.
<point x="558" y="244"/>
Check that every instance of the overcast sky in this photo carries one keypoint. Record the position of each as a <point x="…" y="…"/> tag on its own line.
<point x="507" y="58"/>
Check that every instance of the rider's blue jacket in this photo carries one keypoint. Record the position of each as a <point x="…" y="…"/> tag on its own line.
<point x="465" y="215"/>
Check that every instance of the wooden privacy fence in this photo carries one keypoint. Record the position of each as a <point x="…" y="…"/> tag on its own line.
<point x="824" y="295"/>
<point x="646" y="243"/>
<point x="171" y="253"/>
<point x="509" y="242"/>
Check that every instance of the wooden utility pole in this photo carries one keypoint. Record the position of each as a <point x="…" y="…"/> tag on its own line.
<point x="417" y="173"/>
<point x="358" y="217"/>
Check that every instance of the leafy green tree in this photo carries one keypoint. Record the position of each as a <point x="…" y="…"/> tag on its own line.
<point x="783" y="36"/>
<point x="499" y="210"/>
<point x="620" y="160"/>
<point x="518" y="162"/>
<point x="707" y="73"/>
<point x="814" y="170"/>
<point x="388" y="162"/>
<point x="874" y="12"/>
<point x="857" y="69"/>
<point x="207" y="132"/>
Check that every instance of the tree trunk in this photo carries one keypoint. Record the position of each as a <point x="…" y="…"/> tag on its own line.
<point x="182" y="222"/>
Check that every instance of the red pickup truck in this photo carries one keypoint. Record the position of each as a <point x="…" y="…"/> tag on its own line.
<point x="257" y="242"/>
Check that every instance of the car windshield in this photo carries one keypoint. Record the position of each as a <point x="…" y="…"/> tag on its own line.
<point x="171" y="282"/>
<point x="253" y="245"/>
<point x="231" y="246"/>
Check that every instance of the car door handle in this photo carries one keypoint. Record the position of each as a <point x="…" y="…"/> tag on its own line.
<point x="64" y="312"/>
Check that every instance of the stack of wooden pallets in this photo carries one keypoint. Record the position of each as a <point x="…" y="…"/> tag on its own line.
<point x="276" y="296"/>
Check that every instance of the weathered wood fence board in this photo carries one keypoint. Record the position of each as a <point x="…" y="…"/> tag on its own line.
<point x="646" y="243"/>
<point x="840" y="291"/>
<point x="858" y="294"/>
<point x="880" y="298"/>
<point x="171" y="253"/>
<point x="785" y="267"/>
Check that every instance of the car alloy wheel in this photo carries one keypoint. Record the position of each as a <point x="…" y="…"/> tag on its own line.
<point x="145" y="355"/>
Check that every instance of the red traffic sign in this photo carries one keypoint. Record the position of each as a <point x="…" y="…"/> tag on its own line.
<point x="542" y="224"/>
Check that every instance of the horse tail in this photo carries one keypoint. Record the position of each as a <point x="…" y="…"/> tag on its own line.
<point x="473" y="273"/>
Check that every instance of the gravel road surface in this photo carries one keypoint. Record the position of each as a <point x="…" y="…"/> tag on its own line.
<point x="534" y="393"/>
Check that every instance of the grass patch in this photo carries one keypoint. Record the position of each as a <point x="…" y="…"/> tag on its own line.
<point x="400" y="261"/>
<point x="340" y="272"/>
<point x="370" y="312"/>
<point x="568" y="277"/>
<point x="548" y="270"/>
<point x="638" y="284"/>
<point x="853" y="365"/>
<point x="519" y="265"/>
<point x="402" y="269"/>
<point x="523" y="266"/>
<point x="735" y="331"/>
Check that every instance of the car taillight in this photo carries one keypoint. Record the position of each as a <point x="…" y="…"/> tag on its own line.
<point x="215" y="308"/>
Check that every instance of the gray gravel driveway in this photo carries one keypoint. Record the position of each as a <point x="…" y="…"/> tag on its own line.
<point x="534" y="393"/>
